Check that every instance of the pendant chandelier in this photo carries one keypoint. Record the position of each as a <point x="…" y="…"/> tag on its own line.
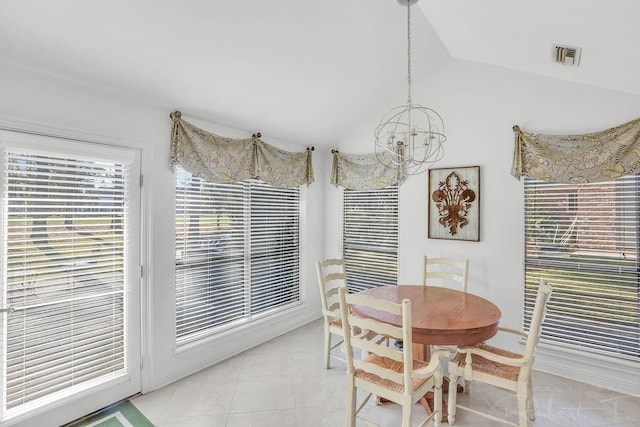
<point x="410" y="137"/>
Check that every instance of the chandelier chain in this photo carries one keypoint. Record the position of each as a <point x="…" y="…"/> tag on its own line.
<point x="409" y="52"/>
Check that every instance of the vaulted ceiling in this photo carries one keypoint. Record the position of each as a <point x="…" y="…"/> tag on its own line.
<point x="306" y="71"/>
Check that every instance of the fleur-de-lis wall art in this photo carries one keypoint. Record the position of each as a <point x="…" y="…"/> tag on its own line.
<point x="454" y="203"/>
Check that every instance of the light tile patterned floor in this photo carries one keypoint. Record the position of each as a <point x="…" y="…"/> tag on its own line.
<point x="282" y="384"/>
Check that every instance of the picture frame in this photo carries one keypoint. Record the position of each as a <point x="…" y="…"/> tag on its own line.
<point x="454" y="203"/>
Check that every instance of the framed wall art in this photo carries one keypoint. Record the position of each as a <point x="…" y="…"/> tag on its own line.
<point x="454" y="203"/>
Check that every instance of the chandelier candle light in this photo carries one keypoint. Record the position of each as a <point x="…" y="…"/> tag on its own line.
<point x="410" y="137"/>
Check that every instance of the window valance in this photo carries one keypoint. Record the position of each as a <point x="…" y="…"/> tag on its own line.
<point x="592" y="157"/>
<point x="220" y="159"/>
<point x="362" y="172"/>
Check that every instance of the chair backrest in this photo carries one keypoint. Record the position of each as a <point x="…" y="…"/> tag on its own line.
<point x="331" y="277"/>
<point x="535" y="328"/>
<point x="354" y="326"/>
<point x="448" y="272"/>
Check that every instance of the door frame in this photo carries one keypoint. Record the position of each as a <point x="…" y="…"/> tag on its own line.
<point x="96" y="396"/>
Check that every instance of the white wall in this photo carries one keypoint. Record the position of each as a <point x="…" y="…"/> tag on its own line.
<point x="36" y="102"/>
<point x="480" y="104"/>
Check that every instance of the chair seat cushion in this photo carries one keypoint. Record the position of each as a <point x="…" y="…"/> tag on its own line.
<point x="337" y="323"/>
<point x="391" y="364"/>
<point x="336" y="327"/>
<point x="480" y="364"/>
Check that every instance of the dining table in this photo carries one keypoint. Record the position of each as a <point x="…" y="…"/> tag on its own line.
<point x="439" y="316"/>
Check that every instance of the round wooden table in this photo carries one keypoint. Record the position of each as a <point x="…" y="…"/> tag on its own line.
<point x="439" y="316"/>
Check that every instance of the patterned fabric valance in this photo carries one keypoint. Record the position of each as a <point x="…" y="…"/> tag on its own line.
<point x="219" y="159"/>
<point x="362" y="172"/>
<point x="592" y="157"/>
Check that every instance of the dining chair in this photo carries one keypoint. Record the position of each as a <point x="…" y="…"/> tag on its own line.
<point x="502" y="368"/>
<point x="448" y="272"/>
<point x="331" y="277"/>
<point x="384" y="371"/>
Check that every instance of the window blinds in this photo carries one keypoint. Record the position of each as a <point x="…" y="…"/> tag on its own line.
<point x="237" y="252"/>
<point x="370" y="237"/>
<point x="275" y="240"/>
<point x="64" y="242"/>
<point x="584" y="240"/>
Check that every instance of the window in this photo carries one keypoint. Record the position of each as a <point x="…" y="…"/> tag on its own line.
<point x="66" y="273"/>
<point x="237" y="253"/>
<point x="370" y="237"/>
<point x="584" y="239"/>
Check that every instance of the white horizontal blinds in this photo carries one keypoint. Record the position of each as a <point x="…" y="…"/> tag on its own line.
<point x="275" y="246"/>
<point x="584" y="240"/>
<point x="64" y="227"/>
<point x="237" y="252"/>
<point x="370" y="237"/>
<point x="210" y="240"/>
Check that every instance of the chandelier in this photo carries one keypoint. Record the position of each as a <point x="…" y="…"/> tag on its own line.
<point x="410" y="137"/>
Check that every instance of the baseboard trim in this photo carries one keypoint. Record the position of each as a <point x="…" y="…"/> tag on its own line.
<point x="618" y="375"/>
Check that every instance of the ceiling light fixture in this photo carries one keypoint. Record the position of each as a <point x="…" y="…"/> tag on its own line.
<point x="410" y="137"/>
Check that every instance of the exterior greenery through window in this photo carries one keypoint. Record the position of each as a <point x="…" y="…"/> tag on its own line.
<point x="370" y="237"/>
<point x="237" y="253"/>
<point x="584" y="239"/>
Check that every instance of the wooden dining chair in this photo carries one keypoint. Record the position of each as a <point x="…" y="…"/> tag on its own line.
<point x="447" y="272"/>
<point x="384" y="371"/>
<point x="502" y="368"/>
<point x="331" y="277"/>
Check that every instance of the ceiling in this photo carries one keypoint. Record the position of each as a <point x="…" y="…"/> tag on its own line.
<point x="305" y="71"/>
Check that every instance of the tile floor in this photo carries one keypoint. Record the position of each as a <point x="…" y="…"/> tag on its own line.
<point x="282" y="384"/>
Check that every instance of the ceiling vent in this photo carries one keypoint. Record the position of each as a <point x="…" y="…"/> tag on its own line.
<point x="566" y="55"/>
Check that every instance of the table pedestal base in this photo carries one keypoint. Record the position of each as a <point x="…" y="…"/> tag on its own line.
<point x="427" y="400"/>
<point x="423" y="352"/>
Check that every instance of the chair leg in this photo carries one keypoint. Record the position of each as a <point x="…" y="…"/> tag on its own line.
<point x="522" y="404"/>
<point x="453" y="381"/>
<point x="407" y="413"/>
<point x="437" y="403"/>
<point x="327" y="345"/>
<point x="530" y="405"/>
<point x="351" y="401"/>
